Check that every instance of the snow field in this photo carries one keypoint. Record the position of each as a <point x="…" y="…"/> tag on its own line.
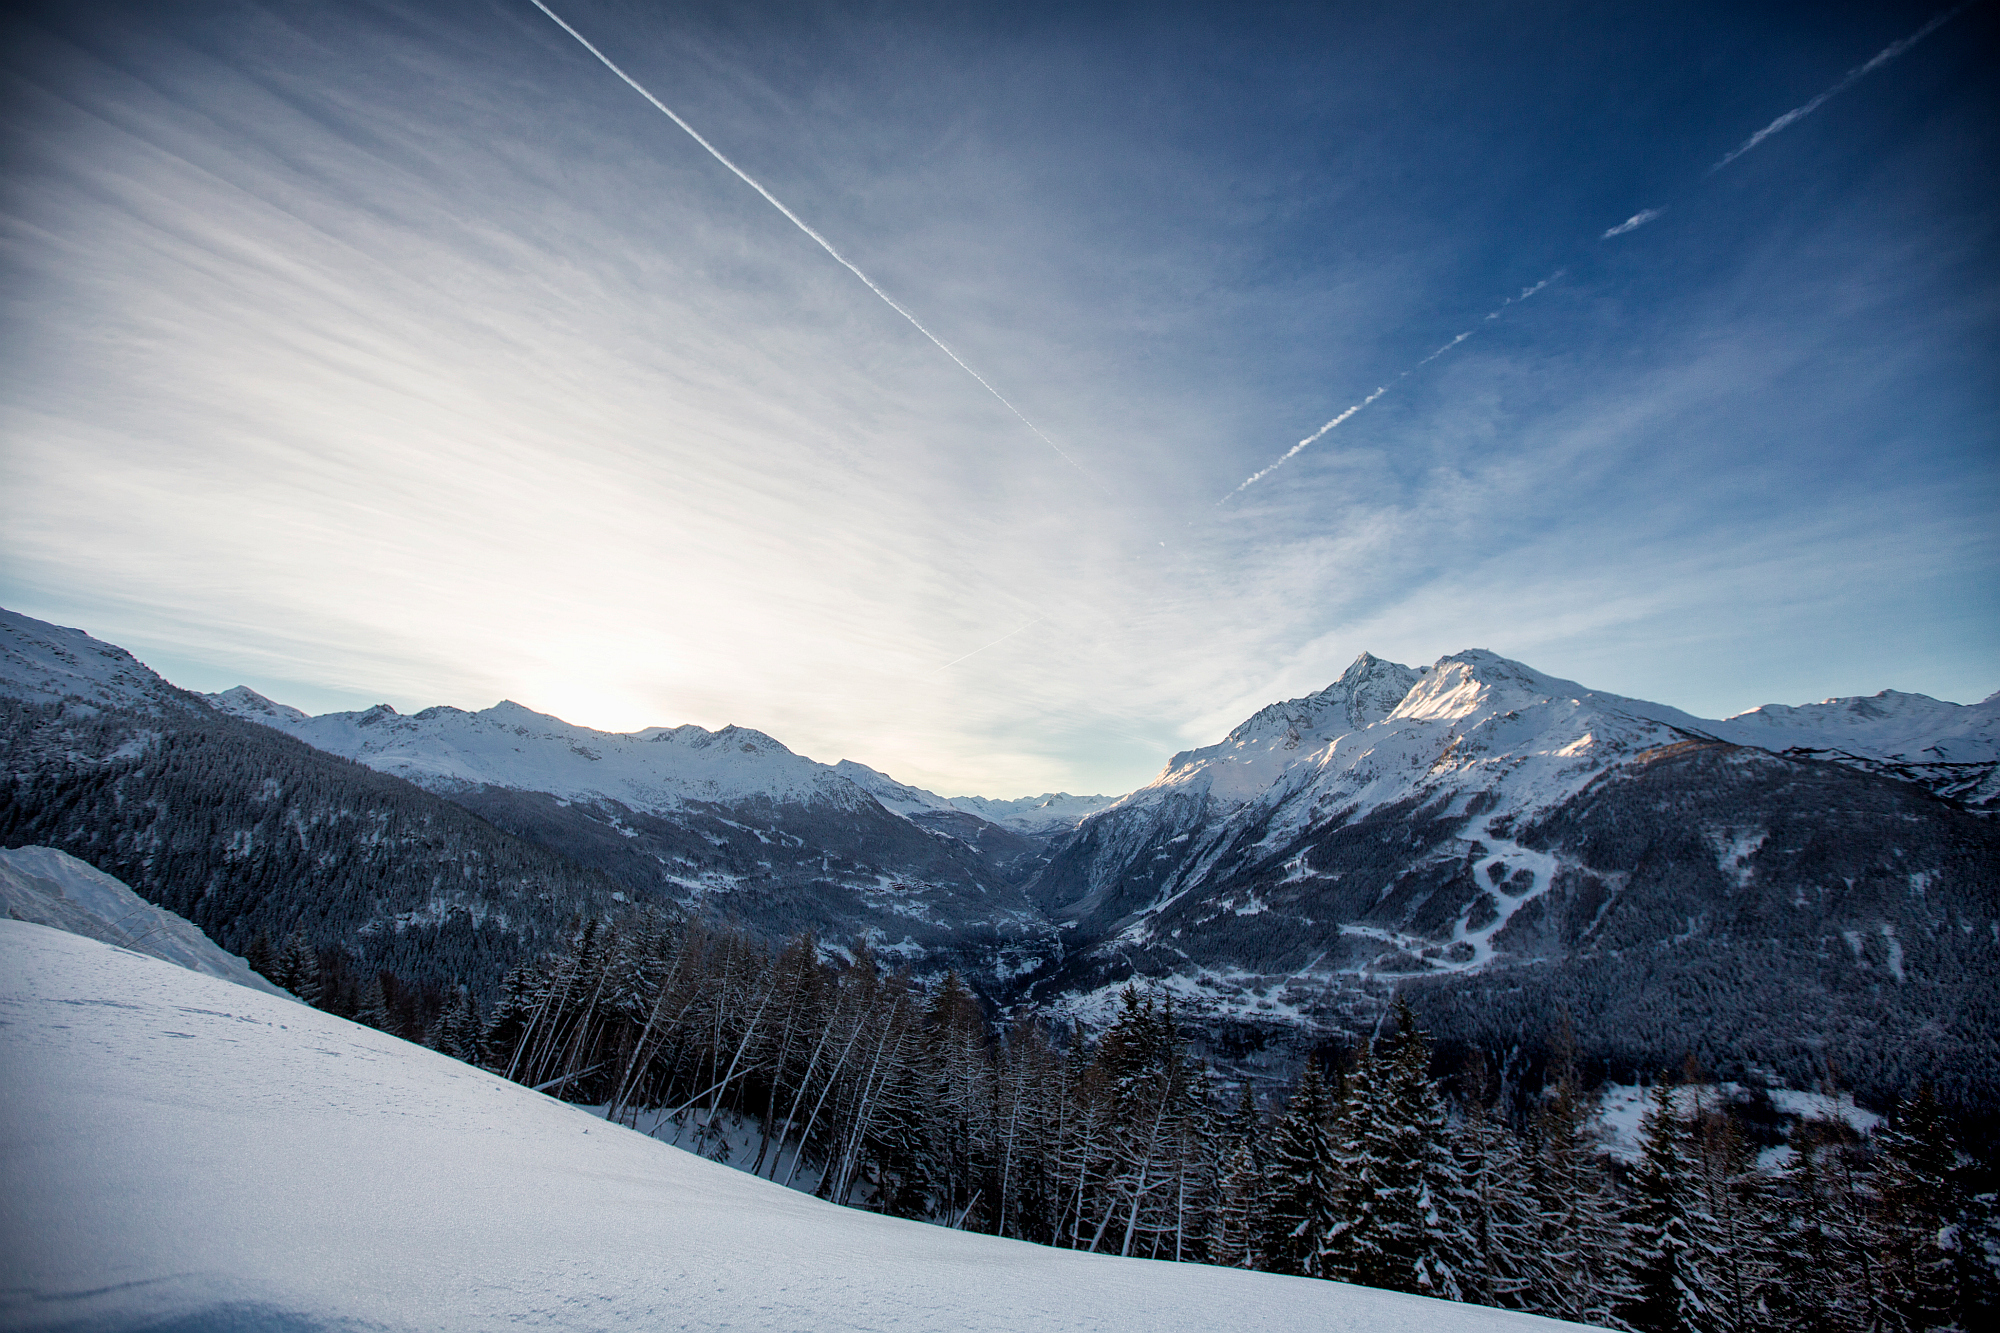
<point x="177" y="1151"/>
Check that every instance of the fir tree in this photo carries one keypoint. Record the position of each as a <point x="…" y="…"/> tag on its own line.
<point x="1577" y="1257"/>
<point x="1403" y="1229"/>
<point x="1500" y="1216"/>
<point x="1661" y="1228"/>
<point x="1915" y="1206"/>
<point x="459" y="1028"/>
<point x="1304" y="1196"/>
<point x="374" y="1010"/>
<point x="1241" y="1191"/>
<point x="1812" y="1261"/>
<point x="295" y="966"/>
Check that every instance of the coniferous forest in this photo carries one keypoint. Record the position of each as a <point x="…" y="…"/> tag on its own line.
<point x="823" y="1070"/>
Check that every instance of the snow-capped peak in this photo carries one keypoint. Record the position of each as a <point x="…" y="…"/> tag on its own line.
<point x="896" y="797"/>
<point x="1890" y="725"/>
<point x="245" y="702"/>
<point x="511" y="745"/>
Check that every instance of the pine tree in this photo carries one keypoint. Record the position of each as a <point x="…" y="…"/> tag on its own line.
<point x="1501" y="1220"/>
<point x="1304" y="1197"/>
<point x="1813" y="1264"/>
<point x="296" y="967"/>
<point x="1403" y="1229"/>
<point x="1915" y="1203"/>
<point x="1661" y="1228"/>
<point x="1577" y="1259"/>
<point x="459" y="1028"/>
<point x="1240" y="1193"/>
<point x="374" y="1010"/>
<point x="260" y="956"/>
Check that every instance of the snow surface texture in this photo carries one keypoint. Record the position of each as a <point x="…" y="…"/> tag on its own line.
<point x="44" y="663"/>
<point x="52" y="888"/>
<point x="181" y="1153"/>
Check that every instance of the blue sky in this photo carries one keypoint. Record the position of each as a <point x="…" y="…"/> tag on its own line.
<point x="400" y="352"/>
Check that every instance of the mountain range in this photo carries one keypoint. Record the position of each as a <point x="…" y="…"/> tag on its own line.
<point x="1785" y="890"/>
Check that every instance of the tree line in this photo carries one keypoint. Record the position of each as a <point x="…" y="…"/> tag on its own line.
<point x="827" y="1071"/>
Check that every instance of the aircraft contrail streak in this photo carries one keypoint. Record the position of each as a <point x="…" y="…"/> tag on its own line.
<point x="1341" y="419"/>
<point x="1880" y="58"/>
<point x="800" y="223"/>
<point x="983" y="647"/>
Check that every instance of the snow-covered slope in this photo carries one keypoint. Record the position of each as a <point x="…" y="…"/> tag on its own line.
<point x="1492" y="814"/>
<point x="180" y="1153"/>
<point x="1954" y="749"/>
<point x="660" y="768"/>
<point x="51" y="888"/>
<point x="44" y="663"/>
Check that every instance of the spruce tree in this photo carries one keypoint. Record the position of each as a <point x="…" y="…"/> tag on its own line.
<point x="459" y="1028"/>
<point x="1402" y="1229"/>
<point x="1577" y="1259"/>
<point x="296" y="967"/>
<point x="1241" y="1193"/>
<point x="1501" y="1220"/>
<point x="374" y="1010"/>
<point x="1305" y="1188"/>
<point x="1915" y="1205"/>
<point x="1812" y="1263"/>
<point x="1668" y="1296"/>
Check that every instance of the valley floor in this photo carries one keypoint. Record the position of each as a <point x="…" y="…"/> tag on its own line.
<point x="179" y="1153"/>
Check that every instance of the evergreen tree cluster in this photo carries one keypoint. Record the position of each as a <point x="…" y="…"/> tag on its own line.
<point x="280" y="852"/>
<point x="844" y="1078"/>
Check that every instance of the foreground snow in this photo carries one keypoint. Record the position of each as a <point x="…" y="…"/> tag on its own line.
<point x="180" y="1152"/>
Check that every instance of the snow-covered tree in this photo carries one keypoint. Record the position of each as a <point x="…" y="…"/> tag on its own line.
<point x="1662" y="1228"/>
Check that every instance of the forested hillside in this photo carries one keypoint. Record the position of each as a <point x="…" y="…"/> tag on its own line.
<point x="260" y="840"/>
<point x="1369" y="1168"/>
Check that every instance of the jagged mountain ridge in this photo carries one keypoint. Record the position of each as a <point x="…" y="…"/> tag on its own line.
<point x="1505" y="833"/>
<point x="730" y="823"/>
<point x="1473" y="827"/>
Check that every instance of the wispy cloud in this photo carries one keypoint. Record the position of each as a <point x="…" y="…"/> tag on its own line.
<point x="1859" y="72"/>
<point x="801" y="224"/>
<point x="1633" y="223"/>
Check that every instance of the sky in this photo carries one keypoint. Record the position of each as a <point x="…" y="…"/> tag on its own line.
<point x="401" y="352"/>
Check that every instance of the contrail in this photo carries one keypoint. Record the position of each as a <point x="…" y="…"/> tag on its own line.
<point x="1633" y="223"/>
<point x="1881" y="58"/>
<point x="983" y="647"/>
<point x="800" y="223"/>
<point x="1316" y="436"/>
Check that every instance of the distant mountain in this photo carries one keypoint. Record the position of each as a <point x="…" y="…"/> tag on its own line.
<point x="1953" y="749"/>
<point x="727" y="821"/>
<point x="1492" y="831"/>
<point x="1051" y="812"/>
<point x="661" y="768"/>
<point x="1784" y="888"/>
